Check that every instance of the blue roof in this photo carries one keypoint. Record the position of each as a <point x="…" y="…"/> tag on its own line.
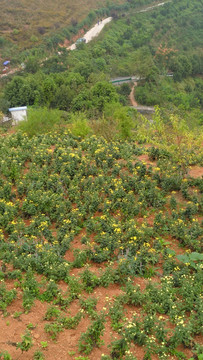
<point x="18" y="108"/>
<point x="6" y="62"/>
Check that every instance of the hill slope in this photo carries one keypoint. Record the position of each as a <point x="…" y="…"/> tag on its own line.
<point x="24" y="22"/>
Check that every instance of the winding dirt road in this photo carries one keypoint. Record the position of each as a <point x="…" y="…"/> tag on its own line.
<point x="132" y="97"/>
<point x="93" y="32"/>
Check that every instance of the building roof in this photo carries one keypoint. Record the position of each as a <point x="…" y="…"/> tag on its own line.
<point x="18" y="108"/>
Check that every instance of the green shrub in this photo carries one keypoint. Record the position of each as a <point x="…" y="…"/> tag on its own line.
<point x="80" y="125"/>
<point x="40" y="121"/>
<point x="5" y="355"/>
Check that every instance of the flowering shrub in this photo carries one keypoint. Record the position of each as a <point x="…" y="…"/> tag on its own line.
<point x="68" y="203"/>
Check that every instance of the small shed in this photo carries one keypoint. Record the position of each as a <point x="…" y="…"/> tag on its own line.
<point x="18" y="114"/>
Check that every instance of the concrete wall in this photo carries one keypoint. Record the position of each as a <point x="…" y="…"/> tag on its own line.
<point x="18" y="115"/>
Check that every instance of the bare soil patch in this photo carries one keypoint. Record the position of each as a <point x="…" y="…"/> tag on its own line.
<point x="196" y="171"/>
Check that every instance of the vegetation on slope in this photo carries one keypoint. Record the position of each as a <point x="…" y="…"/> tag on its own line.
<point x="147" y="44"/>
<point x="85" y="217"/>
<point x="50" y="24"/>
<point x="26" y="23"/>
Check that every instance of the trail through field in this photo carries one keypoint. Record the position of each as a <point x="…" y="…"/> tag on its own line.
<point x="132" y="95"/>
<point x="153" y="6"/>
<point x="12" y="71"/>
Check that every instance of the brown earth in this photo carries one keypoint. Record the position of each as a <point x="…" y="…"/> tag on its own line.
<point x="132" y="96"/>
<point x="196" y="171"/>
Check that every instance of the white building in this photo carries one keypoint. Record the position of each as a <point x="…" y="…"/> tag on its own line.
<point x="18" y="114"/>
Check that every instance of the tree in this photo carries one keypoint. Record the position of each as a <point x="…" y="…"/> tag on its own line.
<point x="102" y="93"/>
<point x="124" y="89"/>
<point x="82" y="101"/>
<point x="48" y="91"/>
<point x="84" y="69"/>
<point x="74" y="80"/>
<point x="175" y="137"/>
<point x="63" y="98"/>
<point x="124" y="122"/>
<point x="181" y="67"/>
<point x="144" y="64"/>
<point x="32" y="65"/>
<point x="12" y="91"/>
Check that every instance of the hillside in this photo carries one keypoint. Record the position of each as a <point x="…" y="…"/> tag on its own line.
<point x="26" y="22"/>
<point x="148" y="44"/>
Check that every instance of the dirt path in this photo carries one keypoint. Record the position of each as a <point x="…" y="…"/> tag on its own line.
<point x="149" y="8"/>
<point x="10" y="72"/>
<point x="93" y="32"/>
<point x="131" y="96"/>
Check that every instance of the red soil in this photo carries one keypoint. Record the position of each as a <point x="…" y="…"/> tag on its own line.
<point x="73" y="39"/>
<point x="196" y="171"/>
<point x="145" y="158"/>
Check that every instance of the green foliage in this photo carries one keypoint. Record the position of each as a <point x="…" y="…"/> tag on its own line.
<point x="176" y="139"/>
<point x="34" y="38"/>
<point x="192" y="259"/>
<point x="91" y="337"/>
<point x="119" y="348"/>
<point x="89" y="305"/>
<point x="38" y="355"/>
<point x="61" y="323"/>
<point x="52" y="313"/>
<point x="32" y="65"/>
<point x="4" y="355"/>
<point x="2" y="41"/>
<point x="40" y="121"/>
<point x="90" y="281"/>
<point x="53" y="329"/>
<point x="6" y="296"/>
<point x="149" y="48"/>
<point x="26" y="342"/>
<point x="15" y="31"/>
<point x="80" y="126"/>
<point x="125" y="123"/>
<point x="44" y="344"/>
<point x="116" y="314"/>
<point x="103" y="93"/>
